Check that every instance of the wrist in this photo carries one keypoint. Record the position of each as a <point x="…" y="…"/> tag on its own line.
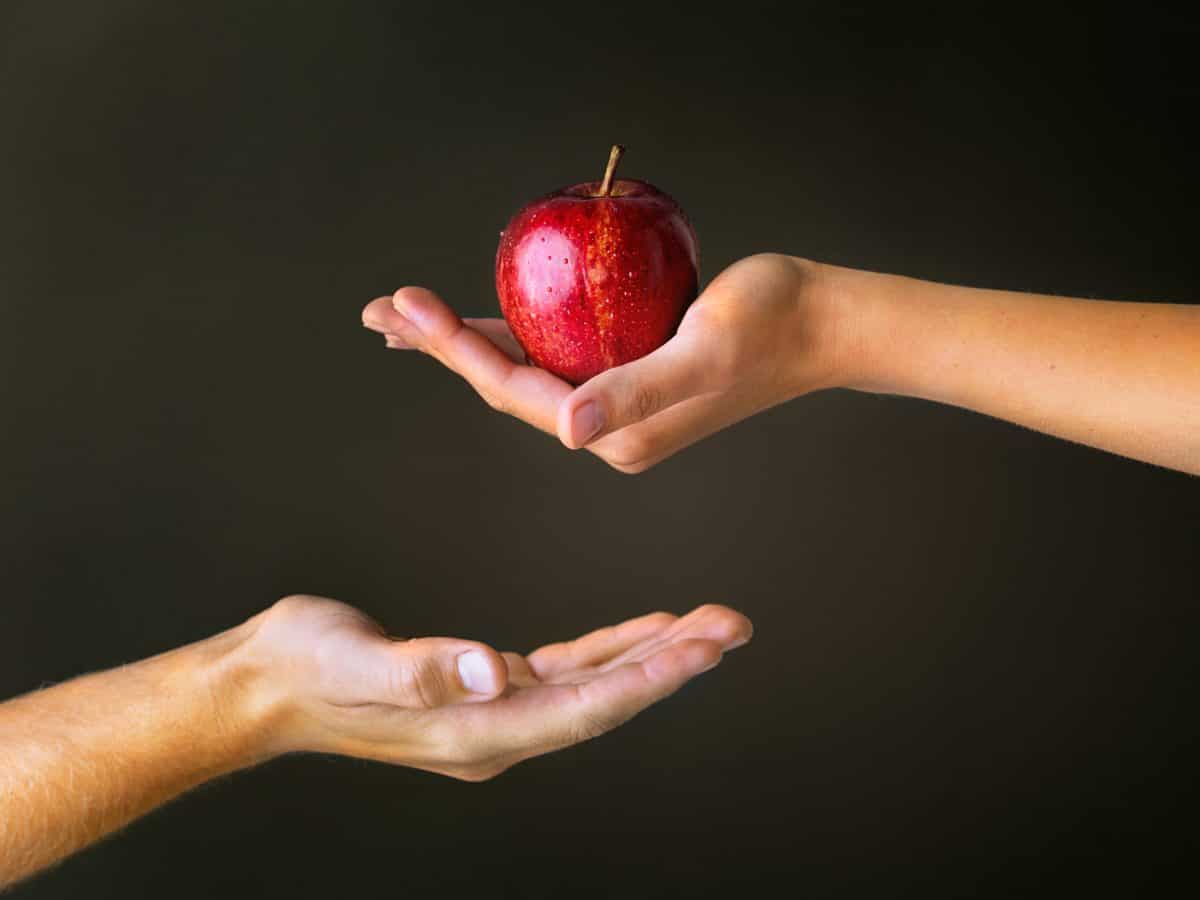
<point x="244" y="706"/>
<point x="865" y="326"/>
<point x="826" y="335"/>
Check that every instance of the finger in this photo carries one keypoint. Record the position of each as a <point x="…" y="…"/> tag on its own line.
<point x="523" y="391"/>
<point x="520" y="674"/>
<point x="497" y="331"/>
<point x="428" y="673"/>
<point x="640" y="447"/>
<point x="725" y="627"/>
<point x="380" y="316"/>
<point x="550" y="718"/>
<point x="625" y="395"/>
<point x="598" y="646"/>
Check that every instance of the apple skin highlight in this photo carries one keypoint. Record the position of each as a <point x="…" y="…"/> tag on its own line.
<point x="589" y="281"/>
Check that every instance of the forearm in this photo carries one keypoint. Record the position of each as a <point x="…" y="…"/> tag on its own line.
<point x="1123" y="377"/>
<point x="83" y="758"/>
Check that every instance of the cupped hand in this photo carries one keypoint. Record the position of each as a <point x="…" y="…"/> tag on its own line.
<point x="341" y="685"/>
<point x="761" y="333"/>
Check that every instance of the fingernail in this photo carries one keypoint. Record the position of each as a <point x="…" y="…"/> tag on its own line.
<point x="712" y="666"/>
<point x="395" y="342"/>
<point x="587" y="422"/>
<point x="476" y="672"/>
<point x="743" y="640"/>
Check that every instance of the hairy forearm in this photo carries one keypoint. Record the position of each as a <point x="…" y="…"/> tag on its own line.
<point x="83" y="758"/>
<point x="1123" y="377"/>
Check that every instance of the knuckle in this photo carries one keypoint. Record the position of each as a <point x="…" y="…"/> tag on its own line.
<point x="647" y="399"/>
<point x="418" y="682"/>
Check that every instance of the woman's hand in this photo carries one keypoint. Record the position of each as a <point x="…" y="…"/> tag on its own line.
<point x="1120" y="376"/>
<point x="334" y="682"/>
<point x="762" y="333"/>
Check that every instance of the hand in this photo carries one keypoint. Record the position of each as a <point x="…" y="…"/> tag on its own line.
<point x="339" y="684"/>
<point x="762" y="333"/>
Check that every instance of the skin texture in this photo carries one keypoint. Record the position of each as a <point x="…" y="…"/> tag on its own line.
<point x="83" y="758"/>
<point x="587" y="283"/>
<point x="1123" y="377"/>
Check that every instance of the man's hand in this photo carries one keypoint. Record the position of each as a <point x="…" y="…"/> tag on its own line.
<point x="81" y="759"/>
<point x="762" y="333"/>
<point x="337" y="684"/>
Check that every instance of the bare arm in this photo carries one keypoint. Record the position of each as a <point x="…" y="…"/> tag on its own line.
<point x="1124" y="377"/>
<point x="83" y="758"/>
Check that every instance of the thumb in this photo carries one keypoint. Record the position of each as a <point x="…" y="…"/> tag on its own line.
<point x="625" y="395"/>
<point x="426" y="673"/>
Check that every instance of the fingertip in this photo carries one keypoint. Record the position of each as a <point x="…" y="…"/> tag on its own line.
<point x="374" y="314"/>
<point x="728" y="627"/>
<point x="732" y="629"/>
<point x="562" y="424"/>
<point x="399" y="333"/>
<point x="396" y="342"/>
<point x="482" y="673"/>
<point x="413" y="293"/>
<point x="744" y="633"/>
<point x="581" y="419"/>
<point x="426" y="314"/>
<point x="407" y="301"/>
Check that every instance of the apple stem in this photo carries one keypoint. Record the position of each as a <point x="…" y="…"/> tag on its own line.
<point x="614" y="157"/>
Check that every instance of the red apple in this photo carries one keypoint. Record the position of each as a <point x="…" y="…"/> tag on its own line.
<point x="596" y="275"/>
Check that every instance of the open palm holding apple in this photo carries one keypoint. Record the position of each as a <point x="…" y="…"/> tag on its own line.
<point x="760" y="334"/>
<point x="596" y="284"/>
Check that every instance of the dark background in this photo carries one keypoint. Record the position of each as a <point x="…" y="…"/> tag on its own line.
<point x="974" y="667"/>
